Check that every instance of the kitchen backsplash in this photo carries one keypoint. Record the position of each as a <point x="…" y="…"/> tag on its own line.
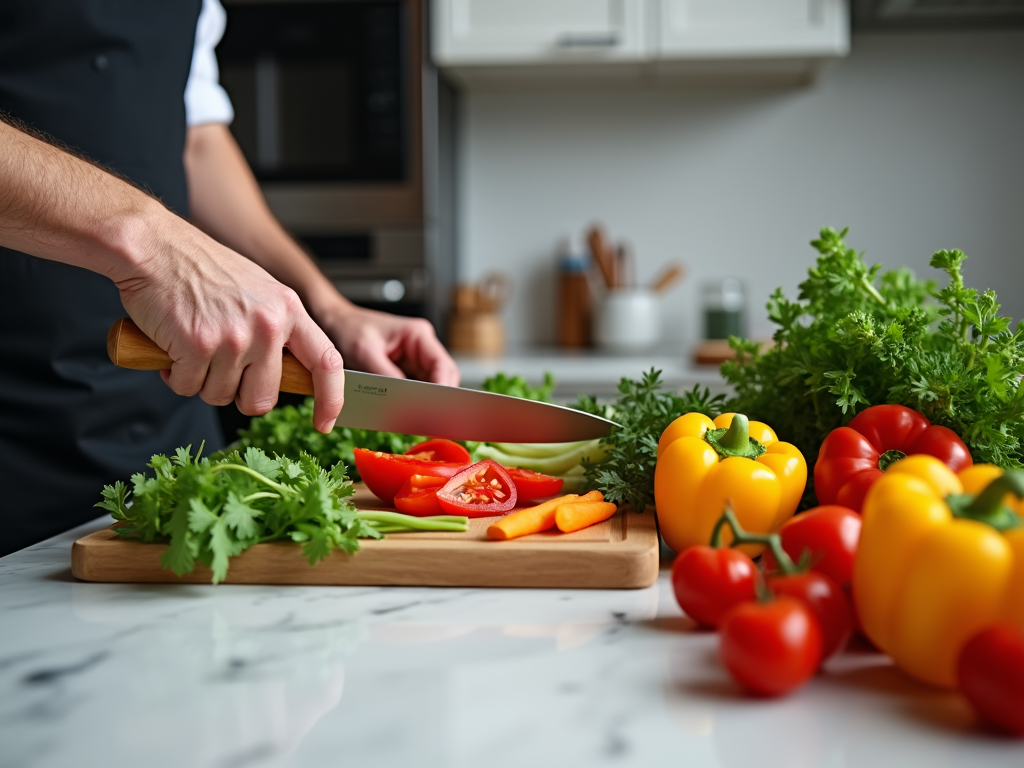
<point x="914" y="142"/>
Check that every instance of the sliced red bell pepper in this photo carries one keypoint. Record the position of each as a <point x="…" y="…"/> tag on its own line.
<point x="385" y="473"/>
<point x="418" y="496"/>
<point x="440" y="449"/>
<point x="532" y="485"/>
<point x="853" y="457"/>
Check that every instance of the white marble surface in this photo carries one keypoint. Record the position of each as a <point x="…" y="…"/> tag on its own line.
<point x="231" y="676"/>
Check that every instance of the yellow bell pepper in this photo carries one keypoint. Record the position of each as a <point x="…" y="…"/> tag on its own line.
<point x="936" y="565"/>
<point x="703" y="465"/>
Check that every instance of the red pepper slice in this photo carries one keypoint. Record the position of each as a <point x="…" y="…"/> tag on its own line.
<point x="853" y="457"/>
<point x="418" y="496"/>
<point x="532" y="485"/>
<point x="483" y="489"/>
<point x="439" y="449"/>
<point x="386" y="473"/>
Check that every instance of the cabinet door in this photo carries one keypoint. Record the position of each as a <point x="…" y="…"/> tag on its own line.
<point x="537" y="31"/>
<point x="751" y="28"/>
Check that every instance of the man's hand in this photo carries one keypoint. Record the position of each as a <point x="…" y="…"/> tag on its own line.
<point x="226" y="202"/>
<point x="388" y="344"/>
<point x="224" y="321"/>
<point x="222" y="318"/>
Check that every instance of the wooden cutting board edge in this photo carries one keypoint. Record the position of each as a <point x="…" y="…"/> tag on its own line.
<point x="629" y="561"/>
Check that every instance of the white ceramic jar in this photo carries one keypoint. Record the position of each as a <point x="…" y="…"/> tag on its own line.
<point x="627" y="319"/>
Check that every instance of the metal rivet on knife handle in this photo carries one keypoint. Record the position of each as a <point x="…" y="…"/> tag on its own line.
<point x="129" y="347"/>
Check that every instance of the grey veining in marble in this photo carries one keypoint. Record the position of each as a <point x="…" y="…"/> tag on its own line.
<point x="232" y="676"/>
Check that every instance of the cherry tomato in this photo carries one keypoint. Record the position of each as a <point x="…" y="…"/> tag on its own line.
<point x="440" y="449"/>
<point x="480" y="490"/>
<point x="709" y="582"/>
<point x="990" y="672"/>
<point x="771" y="648"/>
<point x="830" y="533"/>
<point x="418" y="496"/>
<point x="385" y="473"/>
<point x="532" y="485"/>
<point x="828" y="602"/>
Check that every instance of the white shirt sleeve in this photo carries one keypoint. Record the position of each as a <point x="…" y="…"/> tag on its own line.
<point x="205" y="100"/>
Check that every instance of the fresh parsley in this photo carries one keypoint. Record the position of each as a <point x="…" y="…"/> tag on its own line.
<point x="517" y="386"/>
<point x="643" y="411"/>
<point x="289" y="431"/>
<point x="211" y="509"/>
<point x="857" y="337"/>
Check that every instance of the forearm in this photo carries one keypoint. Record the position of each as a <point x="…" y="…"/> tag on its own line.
<point x="59" y="207"/>
<point x="226" y="202"/>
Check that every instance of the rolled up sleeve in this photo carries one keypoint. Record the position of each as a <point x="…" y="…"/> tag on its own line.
<point x="205" y="100"/>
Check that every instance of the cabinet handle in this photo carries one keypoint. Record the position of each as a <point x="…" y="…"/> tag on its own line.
<point x="588" y="40"/>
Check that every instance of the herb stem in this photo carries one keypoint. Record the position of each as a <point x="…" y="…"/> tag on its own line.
<point x="283" y="490"/>
<point x="261" y="495"/>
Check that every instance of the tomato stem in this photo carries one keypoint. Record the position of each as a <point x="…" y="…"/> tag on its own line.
<point x="773" y="541"/>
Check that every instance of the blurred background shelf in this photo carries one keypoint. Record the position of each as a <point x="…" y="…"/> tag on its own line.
<point x="590" y="372"/>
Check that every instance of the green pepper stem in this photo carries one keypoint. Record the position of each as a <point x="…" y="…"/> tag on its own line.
<point x="734" y="441"/>
<point x="736" y="438"/>
<point x="771" y="540"/>
<point x="990" y="501"/>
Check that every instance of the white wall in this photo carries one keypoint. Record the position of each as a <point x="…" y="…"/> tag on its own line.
<point x="916" y="142"/>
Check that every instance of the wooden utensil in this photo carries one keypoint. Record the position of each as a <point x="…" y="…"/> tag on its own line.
<point x="603" y="255"/>
<point x="669" y="277"/>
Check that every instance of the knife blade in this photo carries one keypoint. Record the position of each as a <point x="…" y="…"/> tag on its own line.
<point x="389" y="404"/>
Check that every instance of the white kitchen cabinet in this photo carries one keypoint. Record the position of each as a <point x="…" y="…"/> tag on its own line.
<point x="488" y="32"/>
<point x="486" y="41"/>
<point x="720" y="29"/>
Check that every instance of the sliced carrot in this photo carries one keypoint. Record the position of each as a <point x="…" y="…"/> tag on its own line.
<point x="523" y="522"/>
<point x="582" y="514"/>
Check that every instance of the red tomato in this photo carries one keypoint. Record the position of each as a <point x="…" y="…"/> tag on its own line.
<point x="830" y="605"/>
<point x="440" y="449"/>
<point x="830" y="533"/>
<point x="709" y="582"/>
<point x="534" y="485"/>
<point x="386" y="473"/>
<point x="480" y="490"/>
<point x="418" y="496"/>
<point x="990" y="673"/>
<point x="771" y="648"/>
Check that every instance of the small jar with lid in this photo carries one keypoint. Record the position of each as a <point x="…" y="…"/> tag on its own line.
<point x="724" y="305"/>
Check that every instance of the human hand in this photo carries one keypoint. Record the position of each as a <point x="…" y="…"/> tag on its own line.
<point x="224" y="321"/>
<point x="378" y="342"/>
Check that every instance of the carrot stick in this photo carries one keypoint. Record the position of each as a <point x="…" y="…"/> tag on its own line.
<point x="523" y="522"/>
<point x="582" y="514"/>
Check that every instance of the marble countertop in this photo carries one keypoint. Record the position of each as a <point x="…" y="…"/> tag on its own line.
<point x="231" y="676"/>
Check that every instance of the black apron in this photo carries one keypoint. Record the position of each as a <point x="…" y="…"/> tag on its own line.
<point x="106" y="78"/>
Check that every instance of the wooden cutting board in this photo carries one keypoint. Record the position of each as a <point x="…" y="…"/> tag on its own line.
<point x="620" y="553"/>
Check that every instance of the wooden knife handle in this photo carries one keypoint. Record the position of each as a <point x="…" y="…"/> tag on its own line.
<point x="129" y="347"/>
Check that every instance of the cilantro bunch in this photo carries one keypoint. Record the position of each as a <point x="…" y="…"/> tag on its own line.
<point x="643" y="411"/>
<point x="211" y="509"/>
<point x="288" y="431"/>
<point x="857" y="337"/>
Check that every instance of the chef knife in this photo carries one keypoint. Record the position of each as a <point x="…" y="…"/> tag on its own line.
<point x="390" y="404"/>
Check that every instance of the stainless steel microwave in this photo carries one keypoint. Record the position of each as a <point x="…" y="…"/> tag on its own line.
<point x="340" y="115"/>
